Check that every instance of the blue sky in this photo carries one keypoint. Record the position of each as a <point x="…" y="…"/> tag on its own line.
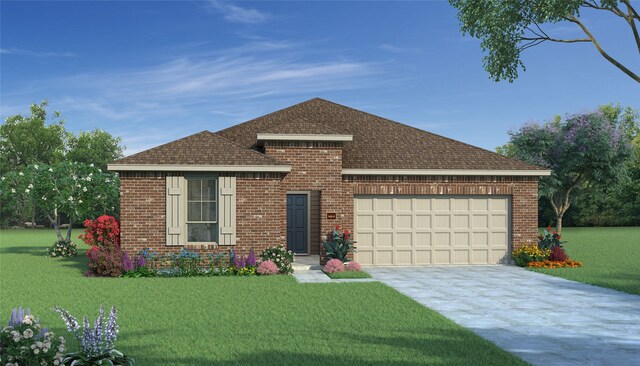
<point x="152" y="72"/>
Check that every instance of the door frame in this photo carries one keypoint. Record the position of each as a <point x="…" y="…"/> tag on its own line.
<point x="308" y="194"/>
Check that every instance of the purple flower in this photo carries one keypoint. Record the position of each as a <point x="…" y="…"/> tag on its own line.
<point x="127" y="264"/>
<point x="141" y="261"/>
<point x="251" y="260"/>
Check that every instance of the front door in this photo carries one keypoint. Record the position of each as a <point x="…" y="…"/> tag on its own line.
<point x="297" y="223"/>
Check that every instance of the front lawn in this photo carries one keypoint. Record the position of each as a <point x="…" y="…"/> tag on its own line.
<point x="611" y="257"/>
<point x="238" y="320"/>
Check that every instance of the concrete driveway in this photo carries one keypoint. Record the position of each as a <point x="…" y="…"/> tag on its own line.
<point x="545" y="320"/>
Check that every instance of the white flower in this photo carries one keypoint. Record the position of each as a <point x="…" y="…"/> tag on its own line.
<point x="50" y="169"/>
<point x="28" y="333"/>
<point x="44" y="198"/>
<point x="74" y="177"/>
<point x="21" y="174"/>
<point x="45" y="350"/>
<point x="27" y="190"/>
<point x="61" y="339"/>
<point x="89" y="178"/>
<point x="84" y="189"/>
<point x="56" y="362"/>
<point x="36" y="351"/>
<point x="79" y="201"/>
<point x="3" y="178"/>
<point x="91" y="174"/>
<point x="70" y="198"/>
<point x="13" y="190"/>
<point x="91" y="165"/>
<point x="39" y="344"/>
<point x="35" y="166"/>
<point x="60" y="348"/>
<point x="30" y="186"/>
<point x="107" y="180"/>
<point x="28" y="320"/>
<point x="17" y="339"/>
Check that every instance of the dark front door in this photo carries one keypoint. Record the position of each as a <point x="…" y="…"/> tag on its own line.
<point x="297" y="223"/>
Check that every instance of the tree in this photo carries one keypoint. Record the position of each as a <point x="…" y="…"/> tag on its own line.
<point x="97" y="147"/>
<point x="506" y="28"/>
<point x="584" y="152"/>
<point x="77" y="191"/>
<point x="28" y="140"/>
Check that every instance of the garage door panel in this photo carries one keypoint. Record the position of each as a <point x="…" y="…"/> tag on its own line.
<point x="414" y="230"/>
<point x="404" y="257"/>
<point x="442" y="221"/>
<point x="461" y="256"/>
<point x="442" y="239"/>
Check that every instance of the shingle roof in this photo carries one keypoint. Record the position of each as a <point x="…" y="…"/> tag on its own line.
<point x="301" y="126"/>
<point x="203" y="148"/>
<point x="378" y="143"/>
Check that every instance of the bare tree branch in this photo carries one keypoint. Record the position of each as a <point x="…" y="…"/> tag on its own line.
<point x="614" y="10"/>
<point x="632" y="23"/>
<point x="604" y="54"/>
<point x="556" y="39"/>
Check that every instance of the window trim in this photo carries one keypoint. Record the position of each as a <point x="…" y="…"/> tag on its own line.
<point x="186" y="221"/>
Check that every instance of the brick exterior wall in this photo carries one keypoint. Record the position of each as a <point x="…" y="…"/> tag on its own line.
<point x="261" y="198"/>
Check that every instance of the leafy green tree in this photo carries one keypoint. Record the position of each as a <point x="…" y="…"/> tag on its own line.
<point x="73" y="190"/>
<point x="584" y="152"/>
<point x="97" y="147"/>
<point x="29" y="140"/>
<point x="506" y="28"/>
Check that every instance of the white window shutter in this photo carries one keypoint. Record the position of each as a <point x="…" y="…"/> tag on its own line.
<point x="175" y="196"/>
<point x="227" y="211"/>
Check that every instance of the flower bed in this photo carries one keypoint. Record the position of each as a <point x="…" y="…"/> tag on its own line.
<point x="547" y="253"/>
<point x="554" y="264"/>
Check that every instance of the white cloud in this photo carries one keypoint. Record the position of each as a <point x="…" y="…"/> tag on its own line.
<point x="236" y="14"/>
<point x="18" y="51"/>
<point x="396" y="49"/>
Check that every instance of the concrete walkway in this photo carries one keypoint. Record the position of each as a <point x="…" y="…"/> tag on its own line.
<point x="545" y="320"/>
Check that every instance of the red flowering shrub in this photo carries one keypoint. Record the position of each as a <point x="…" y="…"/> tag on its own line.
<point x="103" y="231"/>
<point x="558" y="255"/>
<point x="105" y="261"/>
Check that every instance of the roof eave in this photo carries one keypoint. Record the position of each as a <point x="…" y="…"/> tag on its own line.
<point x="198" y="168"/>
<point x="436" y="172"/>
<point x="303" y="137"/>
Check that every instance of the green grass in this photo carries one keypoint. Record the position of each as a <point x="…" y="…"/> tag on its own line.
<point x="610" y="256"/>
<point x="238" y="320"/>
<point x="348" y="275"/>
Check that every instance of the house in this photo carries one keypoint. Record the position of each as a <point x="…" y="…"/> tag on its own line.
<point x="409" y="196"/>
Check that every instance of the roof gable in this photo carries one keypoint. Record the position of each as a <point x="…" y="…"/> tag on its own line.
<point x="378" y="143"/>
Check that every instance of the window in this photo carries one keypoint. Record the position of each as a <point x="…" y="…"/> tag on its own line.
<point x="202" y="210"/>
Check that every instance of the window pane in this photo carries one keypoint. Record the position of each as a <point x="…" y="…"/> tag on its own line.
<point x="194" y="189"/>
<point x="209" y="211"/>
<point x="209" y="190"/>
<point x="194" y="211"/>
<point x="201" y="232"/>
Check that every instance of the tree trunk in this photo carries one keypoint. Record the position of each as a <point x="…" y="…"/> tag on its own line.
<point x="559" y="223"/>
<point x="54" y="222"/>
<point x="69" y="229"/>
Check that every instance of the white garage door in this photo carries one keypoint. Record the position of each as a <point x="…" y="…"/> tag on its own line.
<point x="414" y="230"/>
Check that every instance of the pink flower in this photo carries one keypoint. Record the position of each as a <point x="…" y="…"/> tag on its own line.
<point x="267" y="268"/>
<point x="354" y="266"/>
<point x="333" y="266"/>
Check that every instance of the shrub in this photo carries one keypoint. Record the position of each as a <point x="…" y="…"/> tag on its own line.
<point x="103" y="231"/>
<point x="267" y="268"/>
<point x="25" y="342"/>
<point x="529" y="253"/>
<point x="558" y="254"/>
<point x="105" y="261"/>
<point x="354" y="266"/>
<point x="97" y="346"/>
<point x="549" y="239"/>
<point x="63" y="248"/>
<point x="281" y="257"/>
<point x="334" y="265"/>
<point x="340" y="246"/>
